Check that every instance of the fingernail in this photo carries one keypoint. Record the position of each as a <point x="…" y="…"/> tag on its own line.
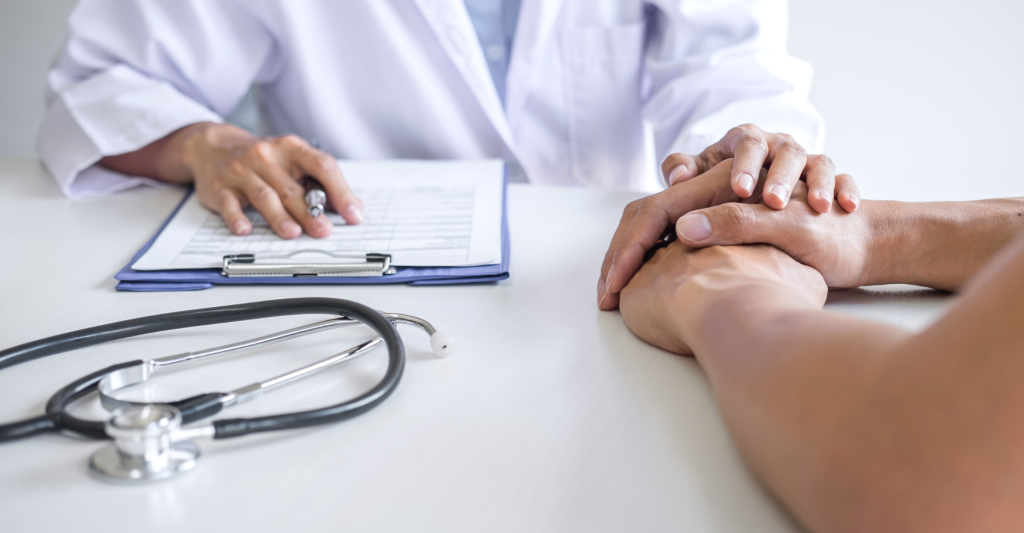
<point x="602" y="292"/>
<point x="826" y="195"/>
<point x="676" y="172"/>
<point x="746" y="182"/>
<point x="290" y="228"/>
<point x="778" y="191"/>
<point x="355" y="213"/>
<point x="240" y="227"/>
<point x="694" y="228"/>
<point x="855" y="200"/>
<point x="318" y="224"/>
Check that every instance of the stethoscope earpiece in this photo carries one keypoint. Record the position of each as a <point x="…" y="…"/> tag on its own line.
<point x="441" y="344"/>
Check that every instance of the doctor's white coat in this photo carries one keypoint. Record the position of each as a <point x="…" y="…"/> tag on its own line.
<point x="376" y="79"/>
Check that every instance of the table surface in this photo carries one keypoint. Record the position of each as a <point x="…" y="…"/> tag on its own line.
<point x="551" y="415"/>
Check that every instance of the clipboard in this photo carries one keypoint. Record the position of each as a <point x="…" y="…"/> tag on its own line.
<point x="206" y="278"/>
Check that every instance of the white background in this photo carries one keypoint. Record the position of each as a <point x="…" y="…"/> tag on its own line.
<point x="922" y="98"/>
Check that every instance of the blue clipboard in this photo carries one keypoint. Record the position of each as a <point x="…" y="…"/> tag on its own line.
<point x="205" y="278"/>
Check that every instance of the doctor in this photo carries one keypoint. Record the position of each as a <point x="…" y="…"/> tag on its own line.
<point x="558" y="88"/>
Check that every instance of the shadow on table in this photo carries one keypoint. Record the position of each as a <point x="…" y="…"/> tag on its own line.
<point x="904" y="306"/>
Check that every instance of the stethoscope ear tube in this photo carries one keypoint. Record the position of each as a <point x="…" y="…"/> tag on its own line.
<point x="236" y="427"/>
<point x="203" y="405"/>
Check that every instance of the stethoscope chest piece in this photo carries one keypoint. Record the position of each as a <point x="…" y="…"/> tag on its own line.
<point x="145" y="447"/>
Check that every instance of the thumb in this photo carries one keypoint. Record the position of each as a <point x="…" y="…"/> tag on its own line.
<point x="730" y="223"/>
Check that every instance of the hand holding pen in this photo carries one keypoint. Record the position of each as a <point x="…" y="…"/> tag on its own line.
<point x="232" y="169"/>
<point x="316" y="198"/>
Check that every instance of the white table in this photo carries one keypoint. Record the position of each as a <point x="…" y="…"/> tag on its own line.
<point x="551" y="416"/>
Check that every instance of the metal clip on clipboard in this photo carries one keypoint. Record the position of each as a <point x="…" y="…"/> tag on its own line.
<point x="249" y="265"/>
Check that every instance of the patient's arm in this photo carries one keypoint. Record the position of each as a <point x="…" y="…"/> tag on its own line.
<point x="856" y="426"/>
<point x="935" y="244"/>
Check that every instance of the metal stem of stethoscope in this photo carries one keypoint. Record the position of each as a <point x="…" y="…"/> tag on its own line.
<point x="149" y="441"/>
<point x="133" y="375"/>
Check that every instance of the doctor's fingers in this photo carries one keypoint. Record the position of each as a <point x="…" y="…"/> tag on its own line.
<point x="750" y="147"/>
<point x="292" y="195"/>
<point x="847" y="192"/>
<point x="229" y="206"/>
<point x="677" y="168"/>
<point x="324" y="169"/>
<point x="821" y="182"/>
<point x="787" y="161"/>
<point x="267" y="201"/>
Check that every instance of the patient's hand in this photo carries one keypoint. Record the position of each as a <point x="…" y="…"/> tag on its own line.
<point x="840" y="245"/>
<point x="682" y="295"/>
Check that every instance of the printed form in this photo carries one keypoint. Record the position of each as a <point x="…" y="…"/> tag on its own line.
<point x="423" y="213"/>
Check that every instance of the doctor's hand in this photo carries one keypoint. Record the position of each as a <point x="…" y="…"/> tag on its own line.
<point x="232" y="169"/>
<point x="682" y="295"/>
<point x="752" y="149"/>
<point x="848" y="249"/>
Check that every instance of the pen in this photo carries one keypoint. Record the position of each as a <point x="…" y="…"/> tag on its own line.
<point x="315" y="199"/>
<point x="315" y="196"/>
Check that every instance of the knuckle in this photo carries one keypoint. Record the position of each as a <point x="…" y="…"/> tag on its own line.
<point x="264" y="195"/>
<point x="824" y="160"/>
<point x="290" y="192"/>
<point x="791" y="147"/>
<point x="736" y="217"/>
<point x="748" y="129"/>
<point x="262" y="152"/>
<point x="323" y="164"/>
<point x="291" y="141"/>
<point x="755" y="143"/>
<point x="785" y="138"/>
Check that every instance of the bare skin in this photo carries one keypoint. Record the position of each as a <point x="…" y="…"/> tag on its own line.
<point x="855" y="425"/>
<point x="934" y="244"/>
<point x="232" y="169"/>
<point x="770" y="164"/>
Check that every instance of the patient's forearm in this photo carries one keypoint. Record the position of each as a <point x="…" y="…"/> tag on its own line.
<point x="858" y="426"/>
<point x="939" y="244"/>
<point x="786" y="379"/>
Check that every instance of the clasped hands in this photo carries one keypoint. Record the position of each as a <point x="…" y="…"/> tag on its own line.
<point x="798" y="241"/>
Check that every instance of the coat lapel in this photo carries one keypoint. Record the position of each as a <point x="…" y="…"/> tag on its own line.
<point x="453" y="28"/>
<point x="534" y="31"/>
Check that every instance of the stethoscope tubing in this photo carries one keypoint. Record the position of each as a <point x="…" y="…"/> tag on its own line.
<point x="57" y="417"/>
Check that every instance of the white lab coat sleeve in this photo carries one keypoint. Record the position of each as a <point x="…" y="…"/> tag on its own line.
<point x="716" y="64"/>
<point x="133" y="71"/>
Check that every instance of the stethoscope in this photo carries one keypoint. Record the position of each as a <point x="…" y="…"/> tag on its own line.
<point x="151" y="441"/>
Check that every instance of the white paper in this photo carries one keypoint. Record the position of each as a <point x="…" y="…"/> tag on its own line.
<point x="423" y="213"/>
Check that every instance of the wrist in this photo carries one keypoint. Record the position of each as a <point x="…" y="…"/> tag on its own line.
<point x="187" y="148"/>
<point x="896" y="242"/>
<point x="713" y="307"/>
<point x="883" y="241"/>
